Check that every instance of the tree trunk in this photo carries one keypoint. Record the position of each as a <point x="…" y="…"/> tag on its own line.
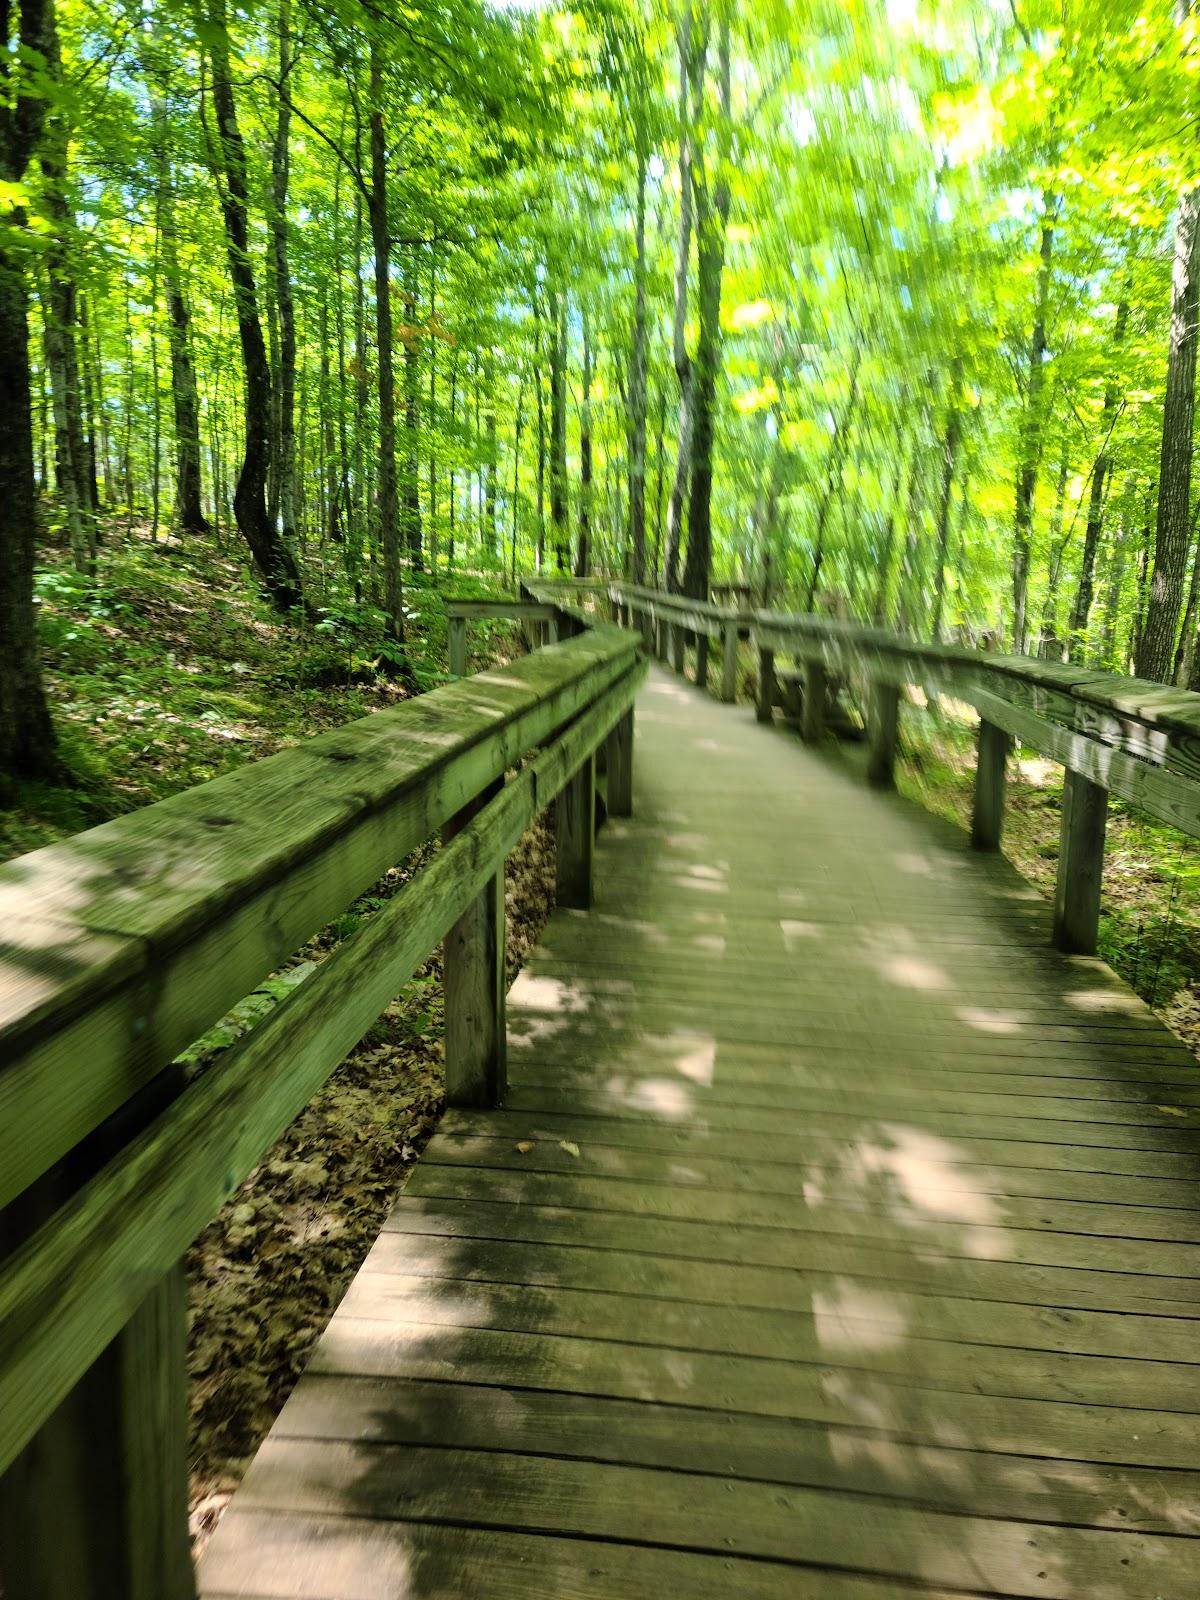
<point x="27" y="748"/>
<point x="692" y="60"/>
<point x="833" y="480"/>
<point x="1050" y="646"/>
<point x="61" y="318"/>
<point x="558" y="432"/>
<point x="270" y="552"/>
<point x="411" y="494"/>
<point x="1031" y="433"/>
<point x="285" y="468"/>
<point x="888" y="553"/>
<point x="712" y="217"/>
<point x="637" y="367"/>
<point x="433" y="348"/>
<point x="389" y="522"/>
<point x="539" y="386"/>
<point x="1156" y="652"/>
<point x="950" y="442"/>
<point x="583" y="547"/>
<point x="185" y="400"/>
<point x="1101" y="469"/>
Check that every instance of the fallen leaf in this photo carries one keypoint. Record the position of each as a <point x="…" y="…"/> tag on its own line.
<point x="570" y="1147"/>
<point x="1173" y="1111"/>
<point x="525" y="1146"/>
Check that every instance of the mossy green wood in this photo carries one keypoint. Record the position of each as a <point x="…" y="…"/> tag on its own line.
<point x="123" y="944"/>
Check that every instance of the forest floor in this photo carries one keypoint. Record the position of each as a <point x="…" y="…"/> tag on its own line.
<point x="167" y="671"/>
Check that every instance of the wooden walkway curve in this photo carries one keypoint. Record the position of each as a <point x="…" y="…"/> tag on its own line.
<point x="837" y="1241"/>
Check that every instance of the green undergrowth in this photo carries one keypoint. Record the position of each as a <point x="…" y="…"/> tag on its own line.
<point x="1150" y="923"/>
<point x="170" y="668"/>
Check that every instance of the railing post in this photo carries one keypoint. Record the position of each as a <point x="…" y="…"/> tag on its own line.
<point x="1080" y="865"/>
<point x="96" y="1505"/>
<point x="729" y="648"/>
<point x="883" y="728"/>
<point x="575" y="835"/>
<point x="987" y="814"/>
<point x="474" y="987"/>
<point x="766" y="685"/>
<point x="812" y="713"/>
<point x="678" y="646"/>
<point x="619" y="745"/>
<point x="457" y="630"/>
<point x="702" y="661"/>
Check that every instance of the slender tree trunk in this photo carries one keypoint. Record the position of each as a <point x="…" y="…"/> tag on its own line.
<point x="838" y="450"/>
<point x="389" y="523"/>
<point x="539" y="384"/>
<point x="516" y="477"/>
<point x="637" y="365"/>
<point x="692" y="59"/>
<point x="433" y="348"/>
<point x="558" y="432"/>
<point x="888" y="553"/>
<point x="56" y="306"/>
<point x="660" y="490"/>
<point x="270" y="552"/>
<point x="411" y="495"/>
<point x="1156" y="652"/>
<point x="1101" y="469"/>
<point x="87" y="371"/>
<point x="712" y="198"/>
<point x="285" y="467"/>
<point x="583" y="547"/>
<point x="185" y="401"/>
<point x="27" y="746"/>
<point x="1185" y="655"/>
<point x="950" y="442"/>
<point x="1031" y="432"/>
<point x="1049" y="635"/>
<point x="453" y="472"/>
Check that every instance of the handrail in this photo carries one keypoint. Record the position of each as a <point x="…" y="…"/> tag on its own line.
<point x="1138" y="740"/>
<point x="124" y="944"/>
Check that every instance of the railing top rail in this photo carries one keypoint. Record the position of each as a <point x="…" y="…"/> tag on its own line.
<point x="1156" y="705"/>
<point x="120" y="946"/>
<point x="1173" y="712"/>
<point x="473" y="609"/>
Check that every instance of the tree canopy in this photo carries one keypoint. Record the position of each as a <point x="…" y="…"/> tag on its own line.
<point x="883" y="308"/>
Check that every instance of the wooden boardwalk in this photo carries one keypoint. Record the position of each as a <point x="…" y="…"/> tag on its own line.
<point x="837" y="1241"/>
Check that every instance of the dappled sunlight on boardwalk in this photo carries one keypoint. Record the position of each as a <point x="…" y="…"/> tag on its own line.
<point x="837" y="1241"/>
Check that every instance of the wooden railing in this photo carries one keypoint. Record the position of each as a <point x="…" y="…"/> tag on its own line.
<point x="121" y="946"/>
<point x="1137" y="740"/>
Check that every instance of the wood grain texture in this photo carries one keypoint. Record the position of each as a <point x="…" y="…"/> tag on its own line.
<point x="837" y="1238"/>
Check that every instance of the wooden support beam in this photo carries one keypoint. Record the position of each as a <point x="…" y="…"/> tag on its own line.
<point x="619" y="747"/>
<point x="575" y="831"/>
<point x="96" y="1505"/>
<point x="1080" y="865"/>
<point x="457" y="631"/>
<point x="766" y="685"/>
<point x="987" y="815"/>
<point x="883" y="726"/>
<point x="702" y="661"/>
<point x="729" y="656"/>
<point x="678" y="646"/>
<point x="812" y="714"/>
<point x="475" y="988"/>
